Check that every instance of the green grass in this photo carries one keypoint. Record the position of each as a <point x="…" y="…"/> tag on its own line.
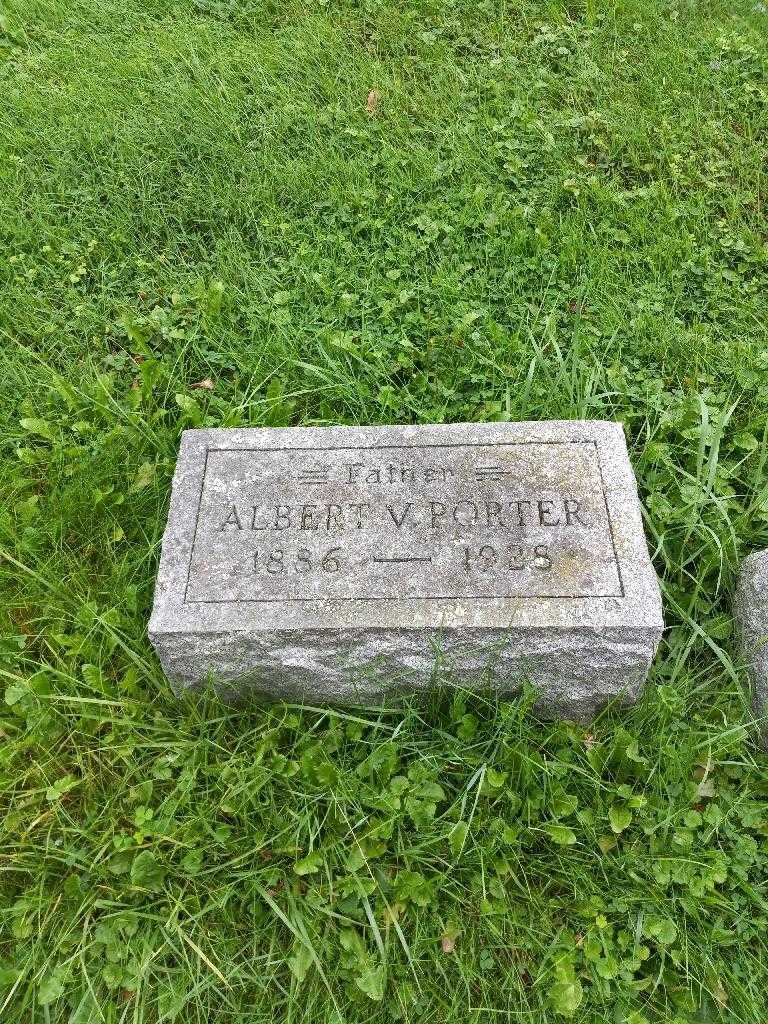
<point x="555" y="210"/>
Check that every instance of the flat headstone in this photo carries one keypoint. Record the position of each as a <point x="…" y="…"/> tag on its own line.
<point x="339" y="564"/>
<point x="751" y="613"/>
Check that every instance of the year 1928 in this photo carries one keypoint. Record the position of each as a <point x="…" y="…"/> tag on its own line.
<point x="486" y="558"/>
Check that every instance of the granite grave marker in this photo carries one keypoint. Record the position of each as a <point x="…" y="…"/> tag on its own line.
<point x="338" y="564"/>
<point x="751" y="613"/>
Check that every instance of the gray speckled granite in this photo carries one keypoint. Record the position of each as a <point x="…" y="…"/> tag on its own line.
<point x="343" y="564"/>
<point x="751" y="612"/>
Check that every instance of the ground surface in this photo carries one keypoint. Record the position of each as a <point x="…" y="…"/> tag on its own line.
<point x="226" y="212"/>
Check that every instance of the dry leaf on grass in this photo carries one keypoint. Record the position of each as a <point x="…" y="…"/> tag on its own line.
<point x="721" y="996"/>
<point x="206" y="385"/>
<point x="373" y="101"/>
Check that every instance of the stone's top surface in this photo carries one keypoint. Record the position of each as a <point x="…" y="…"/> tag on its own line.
<point x="398" y="527"/>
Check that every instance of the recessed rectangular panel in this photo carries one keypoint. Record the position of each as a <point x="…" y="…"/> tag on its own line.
<point x="518" y="519"/>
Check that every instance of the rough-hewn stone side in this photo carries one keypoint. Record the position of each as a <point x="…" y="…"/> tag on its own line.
<point x="577" y="672"/>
